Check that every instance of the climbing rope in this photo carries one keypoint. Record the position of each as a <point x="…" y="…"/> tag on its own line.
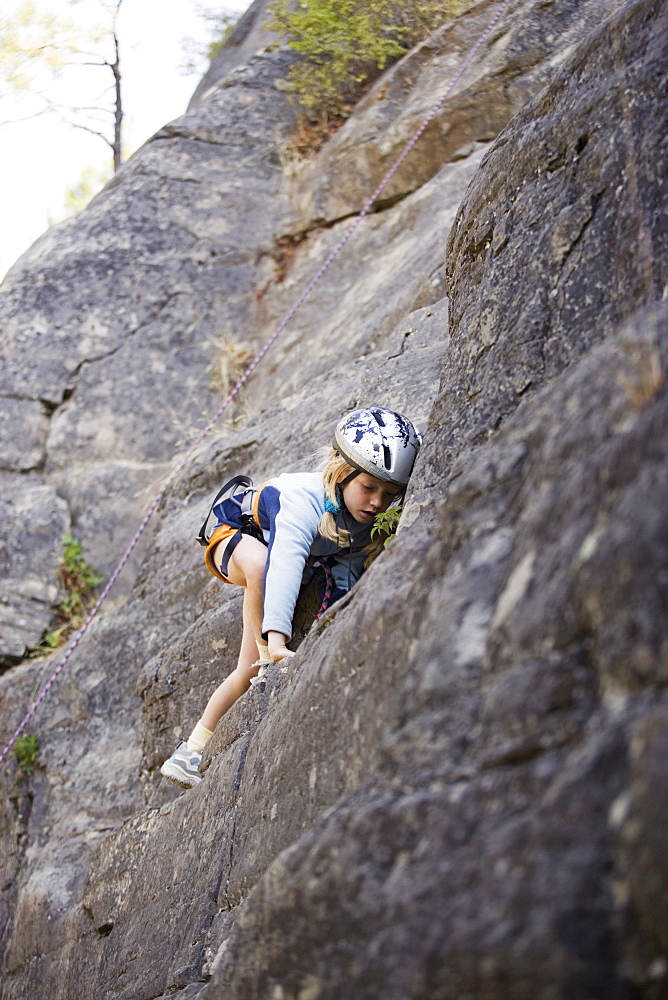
<point x="74" y="642"/>
<point x="329" y="582"/>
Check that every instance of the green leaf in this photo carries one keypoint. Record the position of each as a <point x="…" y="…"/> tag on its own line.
<point x="386" y="523"/>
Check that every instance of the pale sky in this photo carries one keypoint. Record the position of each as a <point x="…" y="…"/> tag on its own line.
<point x="40" y="158"/>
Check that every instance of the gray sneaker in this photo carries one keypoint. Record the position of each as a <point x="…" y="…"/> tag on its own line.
<point x="260" y="676"/>
<point x="183" y="766"/>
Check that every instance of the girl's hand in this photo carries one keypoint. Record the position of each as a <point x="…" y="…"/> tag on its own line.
<point x="277" y="648"/>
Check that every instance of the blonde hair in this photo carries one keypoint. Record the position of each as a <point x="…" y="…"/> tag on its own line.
<point x="334" y="469"/>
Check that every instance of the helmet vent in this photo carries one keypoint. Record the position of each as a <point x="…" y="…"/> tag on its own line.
<point x="378" y="417"/>
<point x="388" y="457"/>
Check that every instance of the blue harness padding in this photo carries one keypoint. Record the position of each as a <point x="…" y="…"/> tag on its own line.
<point x="233" y="504"/>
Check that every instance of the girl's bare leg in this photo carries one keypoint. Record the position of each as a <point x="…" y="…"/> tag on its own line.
<point x="246" y="568"/>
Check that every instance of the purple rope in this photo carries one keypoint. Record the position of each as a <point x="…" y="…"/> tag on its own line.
<point x="246" y="375"/>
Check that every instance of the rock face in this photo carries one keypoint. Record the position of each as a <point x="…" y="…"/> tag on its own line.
<point x="131" y="305"/>
<point x="458" y="786"/>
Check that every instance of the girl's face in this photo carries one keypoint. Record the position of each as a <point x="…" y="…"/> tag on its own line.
<point x="366" y="496"/>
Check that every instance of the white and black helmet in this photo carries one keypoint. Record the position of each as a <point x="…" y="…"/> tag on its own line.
<point x="380" y="442"/>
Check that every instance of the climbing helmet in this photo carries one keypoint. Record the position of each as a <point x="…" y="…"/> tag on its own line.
<point x="380" y="442"/>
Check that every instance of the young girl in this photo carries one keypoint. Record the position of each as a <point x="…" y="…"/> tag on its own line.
<point x="326" y="515"/>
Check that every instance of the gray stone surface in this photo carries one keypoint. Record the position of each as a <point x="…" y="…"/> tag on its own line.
<point x="571" y="225"/>
<point x="33" y="519"/>
<point x="133" y="303"/>
<point x="23" y="429"/>
<point x="518" y="59"/>
<point x="457" y="787"/>
<point x="247" y="37"/>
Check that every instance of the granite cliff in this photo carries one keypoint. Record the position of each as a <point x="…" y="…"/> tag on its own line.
<point x="458" y="786"/>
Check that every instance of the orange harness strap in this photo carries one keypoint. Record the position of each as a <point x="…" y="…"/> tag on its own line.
<point x="256" y="504"/>
<point x="222" y="533"/>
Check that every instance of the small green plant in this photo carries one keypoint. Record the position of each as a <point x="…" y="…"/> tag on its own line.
<point x="25" y="750"/>
<point x="344" y="44"/>
<point x="340" y="41"/>
<point x="78" y="580"/>
<point x="77" y="577"/>
<point x="386" y="523"/>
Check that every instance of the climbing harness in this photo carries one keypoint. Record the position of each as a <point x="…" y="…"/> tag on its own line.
<point x="74" y="642"/>
<point x="237" y="501"/>
<point x="238" y="492"/>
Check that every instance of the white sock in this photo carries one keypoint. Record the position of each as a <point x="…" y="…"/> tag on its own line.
<point x="265" y="656"/>
<point x="199" y="737"/>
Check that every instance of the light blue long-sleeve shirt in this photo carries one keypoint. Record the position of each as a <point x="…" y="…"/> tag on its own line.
<point x="289" y="510"/>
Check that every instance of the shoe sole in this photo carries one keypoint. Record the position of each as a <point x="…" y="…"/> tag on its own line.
<point x="179" y="777"/>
